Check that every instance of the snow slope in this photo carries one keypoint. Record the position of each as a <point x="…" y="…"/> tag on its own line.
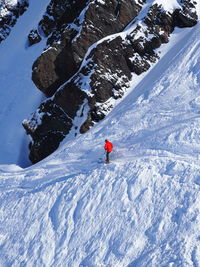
<point x="140" y="210"/>
<point x="15" y="77"/>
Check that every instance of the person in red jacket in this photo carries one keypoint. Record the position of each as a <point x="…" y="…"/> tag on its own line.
<point x="108" y="147"/>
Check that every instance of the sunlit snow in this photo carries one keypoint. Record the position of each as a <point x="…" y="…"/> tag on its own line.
<point x="140" y="210"/>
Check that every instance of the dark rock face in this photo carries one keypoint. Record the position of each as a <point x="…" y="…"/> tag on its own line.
<point x="48" y="127"/>
<point x="9" y="14"/>
<point x="53" y="68"/>
<point x="92" y="68"/>
<point x="64" y="60"/>
<point x="59" y="14"/>
<point x="52" y="122"/>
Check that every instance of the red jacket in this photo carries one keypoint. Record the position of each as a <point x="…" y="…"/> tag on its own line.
<point x="108" y="146"/>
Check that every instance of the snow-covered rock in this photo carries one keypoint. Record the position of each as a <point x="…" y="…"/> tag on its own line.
<point x="34" y="37"/>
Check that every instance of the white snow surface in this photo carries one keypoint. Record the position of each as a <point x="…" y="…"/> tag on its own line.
<point x="168" y="5"/>
<point x="142" y="209"/>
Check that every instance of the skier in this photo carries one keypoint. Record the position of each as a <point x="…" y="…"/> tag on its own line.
<point x="108" y="147"/>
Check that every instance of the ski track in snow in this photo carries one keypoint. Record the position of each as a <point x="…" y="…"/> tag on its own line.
<point x="140" y="210"/>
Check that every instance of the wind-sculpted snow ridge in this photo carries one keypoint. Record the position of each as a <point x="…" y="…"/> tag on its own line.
<point x="10" y="10"/>
<point x="93" y="62"/>
<point x="140" y="210"/>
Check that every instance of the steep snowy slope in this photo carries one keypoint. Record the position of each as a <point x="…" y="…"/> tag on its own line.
<point x="140" y="210"/>
<point x="18" y="94"/>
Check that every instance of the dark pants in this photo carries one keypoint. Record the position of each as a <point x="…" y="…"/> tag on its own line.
<point x="107" y="157"/>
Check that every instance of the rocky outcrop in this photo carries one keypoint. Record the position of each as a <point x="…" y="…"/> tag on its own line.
<point x="9" y="13"/>
<point x="63" y="59"/>
<point x="100" y="71"/>
<point x="187" y="15"/>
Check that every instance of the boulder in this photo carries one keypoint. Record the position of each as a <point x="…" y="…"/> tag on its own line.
<point x="34" y="37"/>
